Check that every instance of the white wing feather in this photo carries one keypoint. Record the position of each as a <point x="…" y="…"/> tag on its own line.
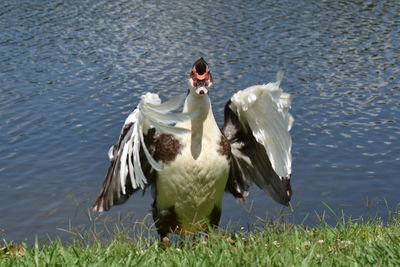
<point x="150" y="113"/>
<point x="265" y="109"/>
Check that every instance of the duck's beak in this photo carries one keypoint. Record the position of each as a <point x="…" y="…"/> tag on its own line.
<point x="201" y="88"/>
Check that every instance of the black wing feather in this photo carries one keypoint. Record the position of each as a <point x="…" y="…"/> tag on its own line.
<point x="111" y="193"/>
<point x="250" y="162"/>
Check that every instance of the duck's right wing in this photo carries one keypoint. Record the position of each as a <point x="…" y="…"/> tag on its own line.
<point x="132" y="163"/>
<point x="257" y="125"/>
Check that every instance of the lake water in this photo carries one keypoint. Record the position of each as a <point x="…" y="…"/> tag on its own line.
<point x="71" y="71"/>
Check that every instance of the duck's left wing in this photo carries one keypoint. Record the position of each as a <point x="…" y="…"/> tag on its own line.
<point x="257" y="124"/>
<point x="133" y="159"/>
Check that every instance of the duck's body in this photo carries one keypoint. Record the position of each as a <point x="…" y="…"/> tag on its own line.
<point x="192" y="163"/>
<point x="193" y="184"/>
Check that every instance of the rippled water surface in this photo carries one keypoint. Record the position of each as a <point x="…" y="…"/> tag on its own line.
<point x="71" y="71"/>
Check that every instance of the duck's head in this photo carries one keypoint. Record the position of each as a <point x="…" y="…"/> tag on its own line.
<point x="200" y="79"/>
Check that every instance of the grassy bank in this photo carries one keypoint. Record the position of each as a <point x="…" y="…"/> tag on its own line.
<point x="275" y="244"/>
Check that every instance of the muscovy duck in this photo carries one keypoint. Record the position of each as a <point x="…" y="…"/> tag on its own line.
<point x="191" y="162"/>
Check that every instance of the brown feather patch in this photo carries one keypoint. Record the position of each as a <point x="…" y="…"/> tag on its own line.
<point x="167" y="148"/>
<point x="224" y="147"/>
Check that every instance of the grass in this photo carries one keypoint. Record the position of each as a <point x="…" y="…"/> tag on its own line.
<point x="275" y="244"/>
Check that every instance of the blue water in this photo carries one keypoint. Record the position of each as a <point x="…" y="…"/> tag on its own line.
<point x="71" y="71"/>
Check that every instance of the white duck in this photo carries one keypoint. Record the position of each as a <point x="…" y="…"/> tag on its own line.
<point x="192" y="163"/>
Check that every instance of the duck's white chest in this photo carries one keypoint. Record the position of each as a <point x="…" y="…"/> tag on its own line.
<point x="194" y="186"/>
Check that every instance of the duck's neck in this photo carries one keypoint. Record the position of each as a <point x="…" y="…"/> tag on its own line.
<point x="201" y="105"/>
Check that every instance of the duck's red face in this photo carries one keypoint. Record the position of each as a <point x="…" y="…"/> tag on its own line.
<point x="200" y="77"/>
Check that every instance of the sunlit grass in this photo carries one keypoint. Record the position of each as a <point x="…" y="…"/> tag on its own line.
<point x="350" y="242"/>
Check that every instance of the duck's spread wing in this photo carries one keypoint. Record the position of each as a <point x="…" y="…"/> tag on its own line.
<point x="133" y="159"/>
<point x="257" y="124"/>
